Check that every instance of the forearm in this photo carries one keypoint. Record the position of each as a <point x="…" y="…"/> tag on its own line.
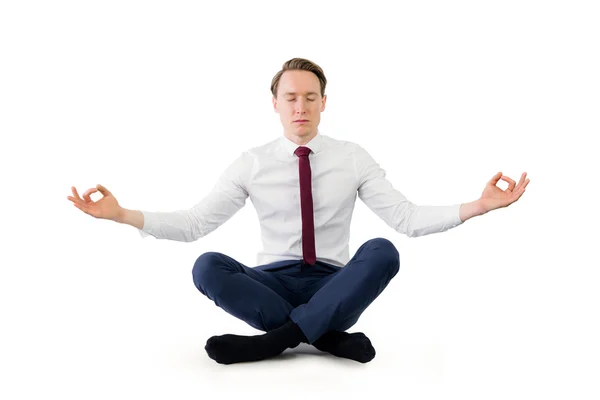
<point x="134" y="218"/>
<point x="470" y="210"/>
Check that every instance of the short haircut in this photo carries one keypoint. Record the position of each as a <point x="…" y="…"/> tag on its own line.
<point x="303" y="65"/>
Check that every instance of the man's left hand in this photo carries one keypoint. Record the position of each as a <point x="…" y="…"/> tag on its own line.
<point x="493" y="197"/>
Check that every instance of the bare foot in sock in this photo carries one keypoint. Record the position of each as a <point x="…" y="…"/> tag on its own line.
<point x="229" y="349"/>
<point x="355" y="346"/>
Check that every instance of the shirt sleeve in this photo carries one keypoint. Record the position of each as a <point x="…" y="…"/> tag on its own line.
<point x="226" y="198"/>
<point x="394" y="208"/>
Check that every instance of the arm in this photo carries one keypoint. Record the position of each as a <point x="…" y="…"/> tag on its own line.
<point x="226" y="198"/>
<point x="395" y="209"/>
<point x="134" y="218"/>
<point x="470" y="210"/>
<point x="413" y="220"/>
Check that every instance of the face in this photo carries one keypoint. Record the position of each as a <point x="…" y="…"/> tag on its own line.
<point x="299" y="104"/>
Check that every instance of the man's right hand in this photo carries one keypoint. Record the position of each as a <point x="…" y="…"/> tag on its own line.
<point x="106" y="208"/>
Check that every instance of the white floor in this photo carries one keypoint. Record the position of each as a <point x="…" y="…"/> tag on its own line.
<point x="126" y="322"/>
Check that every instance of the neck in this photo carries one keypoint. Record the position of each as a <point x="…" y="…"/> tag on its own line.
<point x="300" y="140"/>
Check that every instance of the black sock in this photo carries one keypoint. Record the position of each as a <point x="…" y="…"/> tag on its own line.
<point x="355" y="346"/>
<point x="229" y="349"/>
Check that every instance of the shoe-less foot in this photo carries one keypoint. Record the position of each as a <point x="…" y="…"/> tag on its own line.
<point x="355" y="346"/>
<point x="229" y="349"/>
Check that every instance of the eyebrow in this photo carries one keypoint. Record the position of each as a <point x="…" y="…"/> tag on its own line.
<point x="308" y="93"/>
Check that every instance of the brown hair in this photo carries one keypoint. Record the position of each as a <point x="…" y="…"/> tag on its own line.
<point x="299" y="64"/>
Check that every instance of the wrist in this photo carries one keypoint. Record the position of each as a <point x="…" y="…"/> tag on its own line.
<point x="470" y="210"/>
<point x="121" y="215"/>
<point x="479" y="207"/>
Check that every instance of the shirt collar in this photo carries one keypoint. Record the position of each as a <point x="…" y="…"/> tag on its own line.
<point x="290" y="147"/>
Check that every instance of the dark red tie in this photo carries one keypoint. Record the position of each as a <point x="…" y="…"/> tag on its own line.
<point x="306" y="205"/>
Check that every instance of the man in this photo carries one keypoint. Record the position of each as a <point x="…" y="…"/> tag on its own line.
<point x="303" y="186"/>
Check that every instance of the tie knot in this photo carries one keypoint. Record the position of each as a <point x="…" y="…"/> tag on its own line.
<point x="302" y="151"/>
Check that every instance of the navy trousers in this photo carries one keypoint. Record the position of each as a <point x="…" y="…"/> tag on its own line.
<point x="319" y="298"/>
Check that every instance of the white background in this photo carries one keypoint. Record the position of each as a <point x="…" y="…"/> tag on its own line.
<point x="154" y="99"/>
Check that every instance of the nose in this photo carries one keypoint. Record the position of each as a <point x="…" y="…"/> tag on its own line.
<point x="300" y="107"/>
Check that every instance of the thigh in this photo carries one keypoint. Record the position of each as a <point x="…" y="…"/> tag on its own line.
<point x="377" y="260"/>
<point x="215" y="266"/>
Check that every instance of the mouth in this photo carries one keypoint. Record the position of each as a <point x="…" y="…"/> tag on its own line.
<point x="301" y="121"/>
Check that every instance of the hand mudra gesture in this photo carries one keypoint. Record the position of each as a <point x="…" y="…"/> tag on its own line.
<point x="106" y="208"/>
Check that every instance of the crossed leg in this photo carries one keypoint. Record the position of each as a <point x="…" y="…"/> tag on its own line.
<point x="260" y="299"/>
<point x="249" y="294"/>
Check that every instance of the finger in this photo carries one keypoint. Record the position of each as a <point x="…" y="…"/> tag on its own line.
<point x="511" y="183"/>
<point x="521" y="181"/>
<point x="519" y="193"/>
<point x="103" y="190"/>
<point x="81" y="207"/>
<point x="86" y="195"/>
<point x="495" y="179"/>
<point x="524" y="184"/>
<point x="75" y="193"/>
<point x="75" y="199"/>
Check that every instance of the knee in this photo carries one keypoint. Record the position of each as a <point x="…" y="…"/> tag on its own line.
<point x="387" y="252"/>
<point x="204" y="267"/>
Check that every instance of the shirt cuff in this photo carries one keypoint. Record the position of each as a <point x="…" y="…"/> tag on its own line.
<point x="457" y="221"/>
<point x="144" y="232"/>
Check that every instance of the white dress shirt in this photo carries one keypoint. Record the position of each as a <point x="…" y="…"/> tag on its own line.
<point x="268" y="174"/>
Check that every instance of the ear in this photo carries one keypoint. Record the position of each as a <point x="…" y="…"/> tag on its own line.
<point x="275" y="105"/>
<point x="323" y="103"/>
